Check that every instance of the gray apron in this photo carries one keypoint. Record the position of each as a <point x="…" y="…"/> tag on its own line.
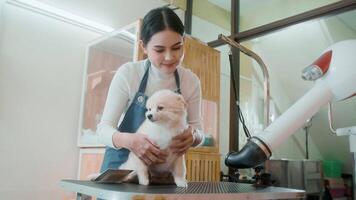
<point x="135" y="115"/>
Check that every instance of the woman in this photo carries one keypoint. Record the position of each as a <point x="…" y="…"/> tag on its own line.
<point x="162" y="37"/>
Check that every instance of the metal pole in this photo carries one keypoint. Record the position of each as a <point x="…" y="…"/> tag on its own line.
<point x="188" y="17"/>
<point x="306" y="143"/>
<point x="266" y="83"/>
<point x="235" y="64"/>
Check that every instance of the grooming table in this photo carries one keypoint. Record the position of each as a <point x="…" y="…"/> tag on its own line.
<point x="194" y="191"/>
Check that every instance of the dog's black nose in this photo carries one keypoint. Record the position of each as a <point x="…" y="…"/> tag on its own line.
<point x="149" y="116"/>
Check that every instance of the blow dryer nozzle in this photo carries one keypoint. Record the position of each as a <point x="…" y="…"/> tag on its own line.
<point x="252" y="154"/>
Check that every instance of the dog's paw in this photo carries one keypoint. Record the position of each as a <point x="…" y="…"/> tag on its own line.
<point x="144" y="181"/>
<point x="181" y="182"/>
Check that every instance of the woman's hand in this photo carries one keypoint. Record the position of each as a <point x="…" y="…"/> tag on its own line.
<point x="143" y="148"/>
<point x="146" y="150"/>
<point x="182" y="142"/>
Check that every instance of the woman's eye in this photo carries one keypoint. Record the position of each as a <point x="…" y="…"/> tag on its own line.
<point x="159" y="50"/>
<point x="160" y="108"/>
<point x="176" y="48"/>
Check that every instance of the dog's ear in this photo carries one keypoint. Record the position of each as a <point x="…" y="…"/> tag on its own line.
<point x="181" y="99"/>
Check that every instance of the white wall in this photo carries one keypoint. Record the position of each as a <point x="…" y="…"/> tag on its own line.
<point x="2" y="3"/>
<point x="114" y="13"/>
<point x="40" y="82"/>
<point x="41" y="66"/>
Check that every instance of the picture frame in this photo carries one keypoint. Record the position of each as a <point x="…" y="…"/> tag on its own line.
<point x="102" y="59"/>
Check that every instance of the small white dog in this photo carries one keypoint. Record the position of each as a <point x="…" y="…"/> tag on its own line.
<point x="166" y="117"/>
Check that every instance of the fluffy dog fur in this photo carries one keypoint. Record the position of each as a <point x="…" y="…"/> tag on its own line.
<point x="165" y="118"/>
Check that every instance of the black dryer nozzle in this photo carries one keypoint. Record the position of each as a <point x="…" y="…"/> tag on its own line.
<point x="252" y="154"/>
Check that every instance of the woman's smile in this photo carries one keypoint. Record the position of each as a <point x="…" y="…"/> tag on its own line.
<point x="169" y="65"/>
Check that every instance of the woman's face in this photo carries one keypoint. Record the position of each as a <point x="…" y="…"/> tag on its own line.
<point x="165" y="50"/>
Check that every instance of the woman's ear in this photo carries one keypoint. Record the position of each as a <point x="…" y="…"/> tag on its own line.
<point x="143" y="46"/>
<point x="182" y="58"/>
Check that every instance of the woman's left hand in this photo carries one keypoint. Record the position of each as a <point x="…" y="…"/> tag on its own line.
<point x="182" y="142"/>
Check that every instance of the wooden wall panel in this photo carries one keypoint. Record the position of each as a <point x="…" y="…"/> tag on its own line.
<point x="203" y="166"/>
<point x="204" y="61"/>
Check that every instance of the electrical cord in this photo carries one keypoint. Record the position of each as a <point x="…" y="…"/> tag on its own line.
<point x="239" y="112"/>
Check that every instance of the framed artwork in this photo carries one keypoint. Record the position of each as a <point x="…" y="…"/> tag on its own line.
<point x="103" y="57"/>
<point x="90" y="160"/>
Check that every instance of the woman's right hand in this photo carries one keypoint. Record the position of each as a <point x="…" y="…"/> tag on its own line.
<point x="143" y="148"/>
<point x="146" y="150"/>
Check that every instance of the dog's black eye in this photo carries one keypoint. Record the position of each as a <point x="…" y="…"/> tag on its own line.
<point x="160" y="108"/>
<point x="149" y="109"/>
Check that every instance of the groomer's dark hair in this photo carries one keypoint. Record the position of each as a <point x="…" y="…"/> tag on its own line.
<point x="159" y="19"/>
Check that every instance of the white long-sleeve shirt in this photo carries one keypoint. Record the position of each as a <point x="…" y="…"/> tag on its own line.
<point x="125" y="84"/>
